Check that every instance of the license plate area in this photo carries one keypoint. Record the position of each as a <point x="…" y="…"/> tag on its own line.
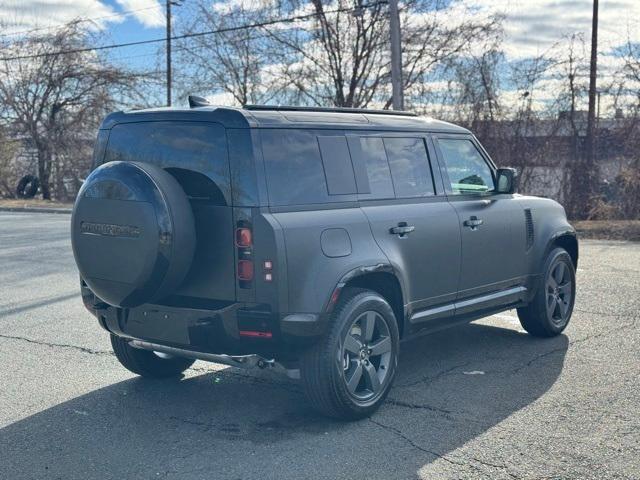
<point x="161" y="325"/>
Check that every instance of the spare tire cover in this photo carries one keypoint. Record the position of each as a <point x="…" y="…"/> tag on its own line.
<point x="132" y="233"/>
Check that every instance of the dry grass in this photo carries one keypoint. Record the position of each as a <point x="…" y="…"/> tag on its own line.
<point x="609" y="229"/>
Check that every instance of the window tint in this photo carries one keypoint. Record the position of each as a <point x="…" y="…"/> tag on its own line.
<point x="377" y="167"/>
<point x="467" y="170"/>
<point x="337" y="165"/>
<point x="409" y="165"/>
<point x="178" y="147"/>
<point x="294" y="169"/>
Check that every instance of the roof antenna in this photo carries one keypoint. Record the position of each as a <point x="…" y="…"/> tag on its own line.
<point x="196" y="101"/>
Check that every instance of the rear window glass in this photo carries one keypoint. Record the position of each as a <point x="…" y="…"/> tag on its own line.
<point x="194" y="152"/>
<point x="294" y="169"/>
<point x="409" y="165"/>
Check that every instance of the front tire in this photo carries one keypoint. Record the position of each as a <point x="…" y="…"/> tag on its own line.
<point x="147" y="363"/>
<point x="349" y="372"/>
<point x="549" y="312"/>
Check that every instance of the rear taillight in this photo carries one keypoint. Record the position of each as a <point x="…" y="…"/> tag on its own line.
<point x="245" y="270"/>
<point x="244" y="238"/>
<point x="244" y="247"/>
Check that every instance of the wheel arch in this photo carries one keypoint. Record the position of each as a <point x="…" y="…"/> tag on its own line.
<point x="379" y="278"/>
<point x="566" y="240"/>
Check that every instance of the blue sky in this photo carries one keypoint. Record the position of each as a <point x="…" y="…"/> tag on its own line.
<point x="118" y="21"/>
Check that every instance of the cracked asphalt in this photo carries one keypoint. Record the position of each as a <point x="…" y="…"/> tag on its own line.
<point x="479" y="401"/>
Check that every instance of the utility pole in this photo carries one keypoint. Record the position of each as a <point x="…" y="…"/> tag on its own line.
<point x="396" y="56"/>
<point x="591" y="118"/>
<point x="168" y="53"/>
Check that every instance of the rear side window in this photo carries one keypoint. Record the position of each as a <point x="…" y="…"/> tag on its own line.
<point x="295" y="170"/>
<point x="337" y="165"/>
<point x="194" y="152"/>
<point x="410" y="170"/>
<point x="374" y="157"/>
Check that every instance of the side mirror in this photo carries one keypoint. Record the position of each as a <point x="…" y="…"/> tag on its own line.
<point x="507" y="179"/>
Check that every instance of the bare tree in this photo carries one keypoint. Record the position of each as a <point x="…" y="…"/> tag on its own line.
<point x="340" y="56"/>
<point x="55" y="99"/>
<point x="235" y="61"/>
<point x="8" y="173"/>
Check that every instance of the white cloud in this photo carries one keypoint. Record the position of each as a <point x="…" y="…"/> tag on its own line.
<point x="24" y="15"/>
<point x="18" y="16"/>
<point x="534" y="26"/>
<point x="228" y="6"/>
<point x="148" y="12"/>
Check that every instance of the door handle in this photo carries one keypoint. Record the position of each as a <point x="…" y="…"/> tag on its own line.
<point x="402" y="229"/>
<point x="473" y="223"/>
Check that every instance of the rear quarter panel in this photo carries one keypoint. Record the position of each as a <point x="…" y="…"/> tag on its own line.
<point x="314" y="271"/>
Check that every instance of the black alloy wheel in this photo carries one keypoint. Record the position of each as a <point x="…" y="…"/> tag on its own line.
<point x="366" y="355"/>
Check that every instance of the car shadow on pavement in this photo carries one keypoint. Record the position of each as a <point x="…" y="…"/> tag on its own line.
<point x="452" y="387"/>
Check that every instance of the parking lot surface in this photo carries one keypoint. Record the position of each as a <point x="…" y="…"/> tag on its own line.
<point x="478" y="401"/>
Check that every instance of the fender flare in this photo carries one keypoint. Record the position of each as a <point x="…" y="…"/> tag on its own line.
<point x="564" y="233"/>
<point x="359" y="272"/>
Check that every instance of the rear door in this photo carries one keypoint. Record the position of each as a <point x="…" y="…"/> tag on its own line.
<point x="491" y="225"/>
<point x="195" y="153"/>
<point x="411" y="220"/>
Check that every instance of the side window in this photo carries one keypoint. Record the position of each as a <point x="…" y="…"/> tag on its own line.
<point x="337" y="165"/>
<point x="409" y="165"/>
<point x="295" y="170"/>
<point x="467" y="170"/>
<point x="375" y="162"/>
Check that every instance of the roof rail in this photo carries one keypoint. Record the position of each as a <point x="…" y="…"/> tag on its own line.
<point x="286" y="108"/>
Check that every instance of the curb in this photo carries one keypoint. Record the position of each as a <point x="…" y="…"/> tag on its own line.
<point x="36" y="209"/>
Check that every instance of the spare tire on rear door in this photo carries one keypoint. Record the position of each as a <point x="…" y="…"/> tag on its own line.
<point x="132" y="233"/>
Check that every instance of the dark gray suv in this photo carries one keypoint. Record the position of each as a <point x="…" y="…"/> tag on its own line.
<point x="309" y="241"/>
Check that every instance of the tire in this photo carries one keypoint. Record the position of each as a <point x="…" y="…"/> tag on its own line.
<point x="27" y="186"/>
<point x="329" y="368"/>
<point x="146" y="363"/>
<point x="549" y="312"/>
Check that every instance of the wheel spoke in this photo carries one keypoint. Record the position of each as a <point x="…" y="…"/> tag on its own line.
<point x="551" y="304"/>
<point x="380" y="346"/>
<point x="354" y="380"/>
<point x="368" y="324"/>
<point x="565" y="289"/>
<point x="564" y="308"/>
<point x="559" y="273"/>
<point x="372" y="378"/>
<point x="352" y="344"/>
<point x="552" y="282"/>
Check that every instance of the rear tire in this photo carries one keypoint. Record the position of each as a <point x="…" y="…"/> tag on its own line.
<point x="349" y="372"/>
<point x="549" y="312"/>
<point x="147" y="363"/>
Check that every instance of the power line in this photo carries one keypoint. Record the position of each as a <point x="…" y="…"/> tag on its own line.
<point x="124" y="13"/>
<point x="197" y="34"/>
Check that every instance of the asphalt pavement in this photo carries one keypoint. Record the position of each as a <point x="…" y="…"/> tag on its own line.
<point x="478" y="401"/>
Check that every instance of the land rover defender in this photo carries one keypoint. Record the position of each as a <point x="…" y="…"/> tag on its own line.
<point x="310" y="241"/>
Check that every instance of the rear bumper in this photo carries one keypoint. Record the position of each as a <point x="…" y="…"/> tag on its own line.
<point x="231" y="329"/>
